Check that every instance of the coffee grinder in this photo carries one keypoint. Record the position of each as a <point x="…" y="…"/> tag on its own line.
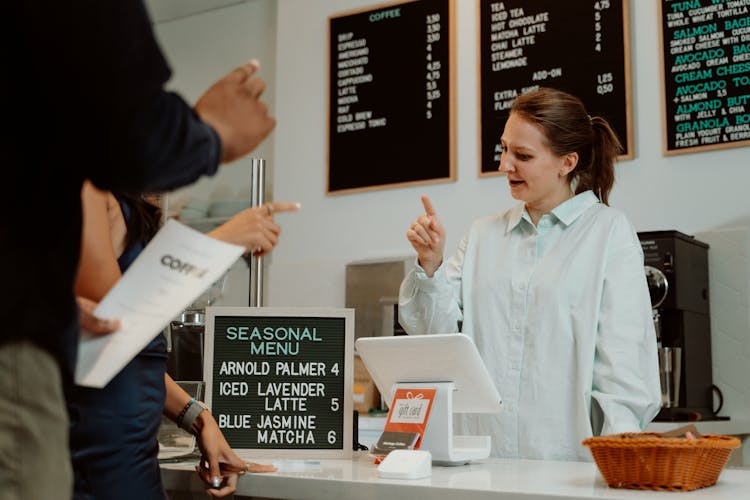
<point x="677" y="273"/>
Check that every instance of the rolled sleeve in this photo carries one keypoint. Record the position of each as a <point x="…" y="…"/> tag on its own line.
<point x="429" y="305"/>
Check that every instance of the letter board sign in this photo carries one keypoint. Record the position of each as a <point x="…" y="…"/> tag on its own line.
<point x="279" y="380"/>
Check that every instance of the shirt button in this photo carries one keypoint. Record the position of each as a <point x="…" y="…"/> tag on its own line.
<point x="516" y="325"/>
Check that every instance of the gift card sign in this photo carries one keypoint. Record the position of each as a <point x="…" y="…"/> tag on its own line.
<point x="410" y="410"/>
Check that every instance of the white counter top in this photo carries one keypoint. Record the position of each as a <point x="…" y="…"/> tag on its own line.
<point x="486" y="479"/>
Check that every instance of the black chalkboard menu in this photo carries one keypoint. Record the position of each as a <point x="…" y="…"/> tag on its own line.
<point x="705" y="74"/>
<point x="280" y="380"/>
<point x="579" y="46"/>
<point x="390" y="111"/>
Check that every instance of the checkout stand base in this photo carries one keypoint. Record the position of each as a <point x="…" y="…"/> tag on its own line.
<point x="686" y="415"/>
<point x="438" y="439"/>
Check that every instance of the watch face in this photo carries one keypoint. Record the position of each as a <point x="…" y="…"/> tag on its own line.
<point x="657" y="285"/>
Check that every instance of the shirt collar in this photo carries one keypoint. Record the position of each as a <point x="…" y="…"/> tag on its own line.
<point x="566" y="212"/>
<point x="514" y="217"/>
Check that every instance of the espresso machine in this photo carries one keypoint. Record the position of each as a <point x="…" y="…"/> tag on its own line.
<point x="676" y="267"/>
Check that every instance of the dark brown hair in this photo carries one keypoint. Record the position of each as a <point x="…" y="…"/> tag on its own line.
<point x="568" y="128"/>
<point x="144" y="219"/>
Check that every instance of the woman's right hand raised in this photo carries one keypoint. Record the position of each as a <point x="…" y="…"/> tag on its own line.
<point x="427" y="236"/>
<point x="254" y="228"/>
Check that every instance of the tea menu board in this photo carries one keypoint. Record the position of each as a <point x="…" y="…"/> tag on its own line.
<point x="390" y="110"/>
<point x="281" y="379"/>
<point x="705" y="74"/>
<point x="579" y="46"/>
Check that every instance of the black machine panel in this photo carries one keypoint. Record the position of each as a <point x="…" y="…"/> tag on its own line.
<point x="684" y="261"/>
<point x="684" y="318"/>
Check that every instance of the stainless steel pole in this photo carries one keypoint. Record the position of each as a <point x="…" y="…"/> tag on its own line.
<point x="257" y="198"/>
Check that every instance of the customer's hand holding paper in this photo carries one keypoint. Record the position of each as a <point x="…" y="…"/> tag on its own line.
<point x="172" y="271"/>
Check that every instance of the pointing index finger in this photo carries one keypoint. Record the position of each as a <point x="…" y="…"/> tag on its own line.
<point x="428" y="208"/>
<point x="246" y="70"/>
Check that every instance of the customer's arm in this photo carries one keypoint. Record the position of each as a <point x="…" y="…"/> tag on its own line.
<point x="109" y="109"/>
<point x="174" y="144"/>
<point x="97" y="266"/>
<point x="167" y="144"/>
<point x="218" y="460"/>
<point x="254" y="228"/>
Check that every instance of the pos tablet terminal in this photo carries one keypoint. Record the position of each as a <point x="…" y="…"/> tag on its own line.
<point x="451" y="364"/>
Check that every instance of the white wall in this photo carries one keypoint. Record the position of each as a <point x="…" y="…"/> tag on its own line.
<point x="729" y="283"/>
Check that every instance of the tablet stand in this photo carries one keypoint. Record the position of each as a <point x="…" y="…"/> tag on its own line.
<point x="438" y="438"/>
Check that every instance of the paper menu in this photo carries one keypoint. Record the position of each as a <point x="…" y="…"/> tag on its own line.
<point x="172" y="271"/>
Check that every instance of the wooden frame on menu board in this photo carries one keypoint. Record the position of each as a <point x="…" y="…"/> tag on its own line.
<point x="524" y="45"/>
<point x="391" y="96"/>
<point x="705" y="76"/>
<point x="279" y="381"/>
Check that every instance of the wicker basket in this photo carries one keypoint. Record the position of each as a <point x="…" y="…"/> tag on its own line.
<point x="646" y="461"/>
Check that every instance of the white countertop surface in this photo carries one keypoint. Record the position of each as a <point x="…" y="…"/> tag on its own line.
<point x="485" y="479"/>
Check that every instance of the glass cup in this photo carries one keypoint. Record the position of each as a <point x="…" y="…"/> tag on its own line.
<point x="670" y="368"/>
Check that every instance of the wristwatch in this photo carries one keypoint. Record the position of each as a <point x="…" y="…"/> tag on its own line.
<point x="189" y="416"/>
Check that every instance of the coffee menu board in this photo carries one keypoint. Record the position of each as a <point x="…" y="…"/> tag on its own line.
<point x="705" y="74"/>
<point x="579" y="46"/>
<point x="279" y="381"/>
<point x="391" y="99"/>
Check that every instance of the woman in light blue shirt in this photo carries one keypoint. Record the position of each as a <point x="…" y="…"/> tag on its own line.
<point x="552" y="291"/>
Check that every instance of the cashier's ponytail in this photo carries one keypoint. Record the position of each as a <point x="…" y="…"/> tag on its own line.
<point x="568" y="128"/>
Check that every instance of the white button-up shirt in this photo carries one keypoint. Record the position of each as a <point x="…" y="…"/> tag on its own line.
<point x="561" y="315"/>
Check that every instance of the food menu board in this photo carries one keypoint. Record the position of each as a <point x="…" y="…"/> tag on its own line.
<point x="579" y="46"/>
<point x="391" y="106"/>
<point x="282" y="379"/>
<point x="705" y="74"/>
